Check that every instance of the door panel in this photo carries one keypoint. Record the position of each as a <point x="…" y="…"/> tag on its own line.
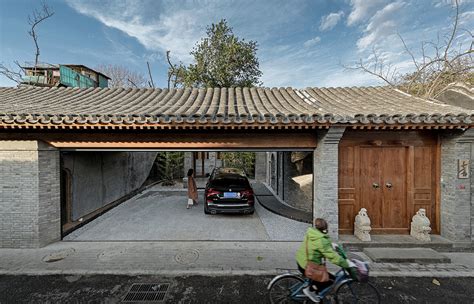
<point x="347" y="189"/>
<point x="370" y="184"/>
<point x="425" y="183"/>
<point x="394" y="192"/>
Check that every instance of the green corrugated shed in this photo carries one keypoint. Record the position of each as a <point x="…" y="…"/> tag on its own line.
<point x="103" y="82"/>
<point x="71" y="78"/>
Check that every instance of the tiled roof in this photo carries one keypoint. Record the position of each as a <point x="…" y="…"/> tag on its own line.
<point x="64" y="107"/>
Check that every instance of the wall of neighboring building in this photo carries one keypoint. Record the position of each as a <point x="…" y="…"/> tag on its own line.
<point x="209" y="163"/>
<point x="273" y="171"/>
<point x="29" y="194"/>
<point x="458" y="95"/>
<point x="100" y="178"/>
<point x="260" y="166"/>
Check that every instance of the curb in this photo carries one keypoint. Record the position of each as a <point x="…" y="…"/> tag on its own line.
<point x="423" y="274"/>
<point x="233" y="272"/>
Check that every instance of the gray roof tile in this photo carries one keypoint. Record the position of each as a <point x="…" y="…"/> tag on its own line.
<point x="357" y="105"/>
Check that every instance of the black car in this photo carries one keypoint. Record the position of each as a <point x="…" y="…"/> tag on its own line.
<point x="228" y="191"/>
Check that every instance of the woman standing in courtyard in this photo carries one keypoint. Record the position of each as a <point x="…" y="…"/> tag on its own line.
<point x="192" y="190"/>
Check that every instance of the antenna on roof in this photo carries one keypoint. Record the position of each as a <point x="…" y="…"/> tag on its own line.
<point x="149" y="73"/>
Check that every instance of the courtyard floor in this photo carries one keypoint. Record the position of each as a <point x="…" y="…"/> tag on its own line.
<point x="158" y="214"/>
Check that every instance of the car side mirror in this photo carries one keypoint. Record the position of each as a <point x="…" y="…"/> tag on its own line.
<point x="207" y="175"/>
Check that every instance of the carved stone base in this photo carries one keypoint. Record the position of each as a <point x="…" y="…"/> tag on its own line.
<point x="362" y="235"/>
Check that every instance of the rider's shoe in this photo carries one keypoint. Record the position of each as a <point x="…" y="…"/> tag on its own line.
<point x="312" y="295"/>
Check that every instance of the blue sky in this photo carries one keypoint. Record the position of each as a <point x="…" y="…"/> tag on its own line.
<point x="301" y="42"/>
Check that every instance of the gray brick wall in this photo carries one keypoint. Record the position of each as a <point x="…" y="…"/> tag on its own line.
<point x="472" y="191"/>
<point x="49" y="197"/>
<point x="29" y="194"/>
<point x="457" y="202"/>
<point x="326" y="164"/>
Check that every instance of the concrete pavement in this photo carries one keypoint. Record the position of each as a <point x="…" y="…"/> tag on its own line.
<point x="187" y="242"/>
<point x="158" y="214"/>
<point x="195" y="257"/>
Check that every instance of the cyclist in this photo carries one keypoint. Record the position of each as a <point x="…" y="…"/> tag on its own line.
<point x="319" y="248"/>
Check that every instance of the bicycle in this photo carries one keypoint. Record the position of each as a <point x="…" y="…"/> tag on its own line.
<point x="288" y="288"/>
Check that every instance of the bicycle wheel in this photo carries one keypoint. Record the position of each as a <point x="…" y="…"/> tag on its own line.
<point x="281" y="290"/>
<point x="356" y="292"/>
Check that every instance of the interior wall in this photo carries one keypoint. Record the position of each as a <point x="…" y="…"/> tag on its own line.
<point x="100" y="178"/>
<point x="298" y="180"/>
<point x="291" y="178"/>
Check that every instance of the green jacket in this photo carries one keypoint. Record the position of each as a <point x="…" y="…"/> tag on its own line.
<point x="319" y="246"/>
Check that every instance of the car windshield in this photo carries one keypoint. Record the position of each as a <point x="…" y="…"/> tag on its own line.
<point x="230" y="181"/>
<point x="231" y="170"/>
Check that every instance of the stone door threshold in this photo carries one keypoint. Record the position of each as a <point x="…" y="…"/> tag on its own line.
<point x="438" y="243"/>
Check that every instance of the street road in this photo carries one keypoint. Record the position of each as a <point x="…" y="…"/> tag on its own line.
<point x="220" y="289"/>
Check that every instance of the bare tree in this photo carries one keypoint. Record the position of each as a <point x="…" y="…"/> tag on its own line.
<point x="439" y="64"/>
<point x="34" y="20"/>
<point x="122" y="77"/>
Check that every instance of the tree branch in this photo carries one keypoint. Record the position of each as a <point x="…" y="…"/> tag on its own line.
<point x="377" y="69"/>
<point x="10" y="74"/>
<point x="453" y="32"/>
<point x="441" y="62"/>
<point x="34" y="20"/>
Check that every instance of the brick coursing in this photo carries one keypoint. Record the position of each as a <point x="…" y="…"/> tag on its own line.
<point x="49" y="197"/>
<point x="472" y="191"/>
<point x="457" y="201"/>
<point x="29" y="194"/>
<point x="326" y="165"/>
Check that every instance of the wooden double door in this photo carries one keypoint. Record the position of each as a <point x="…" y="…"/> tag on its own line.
<point x="391" y="179"/>
<point x="383" y="186"/>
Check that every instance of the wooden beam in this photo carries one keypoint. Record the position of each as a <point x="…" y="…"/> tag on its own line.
<point x="205" y="139"/>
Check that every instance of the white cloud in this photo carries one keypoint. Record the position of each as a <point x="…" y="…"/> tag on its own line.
<point x="312" y="42"/>
<point x="363" y="9"/>
<point x="176" y="32"/>
<point x="381" y="26"/>
<point x="330" y="21"/>
<point x="178" y="25"/>
<point x="441" y="3"/>
<point x="292" y="65"/>
<point x="466" y="18"/>
<point x="309" y="67"/>
<point x="347" y="78"/>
